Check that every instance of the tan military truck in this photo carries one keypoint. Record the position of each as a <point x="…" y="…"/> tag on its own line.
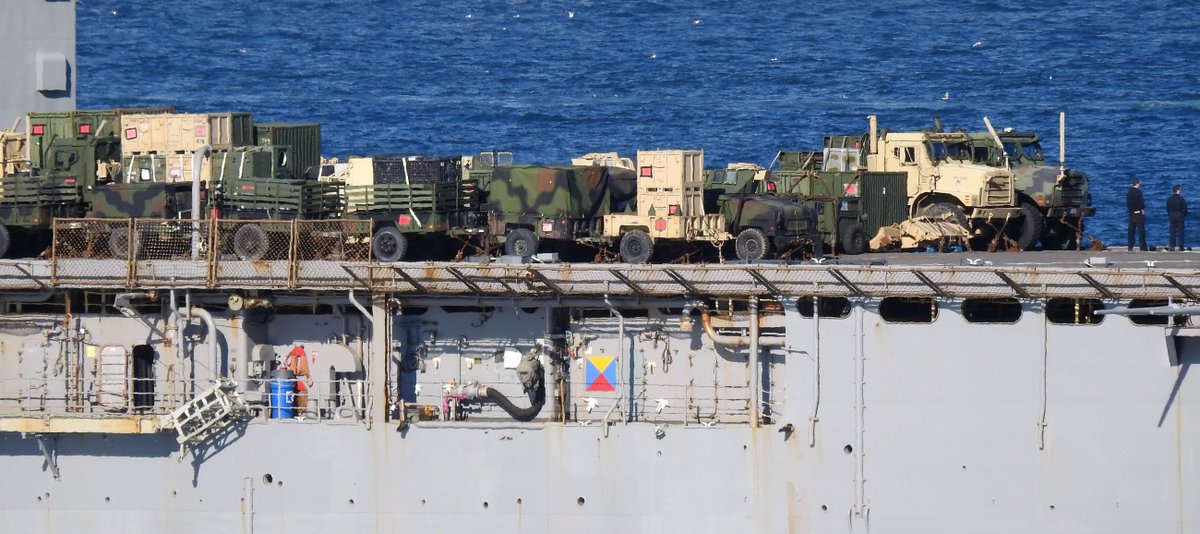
<point x="670" y="205"/>
<point x="943" y="178"/>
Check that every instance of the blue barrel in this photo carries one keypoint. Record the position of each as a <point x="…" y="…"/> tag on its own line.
<point x="283" y="394"/>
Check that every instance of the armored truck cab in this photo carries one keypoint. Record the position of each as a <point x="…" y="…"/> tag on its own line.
<point x="942" y="176"/>
<point x="1055" y="198"/>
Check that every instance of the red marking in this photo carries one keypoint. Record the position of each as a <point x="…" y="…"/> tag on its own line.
<point x="85" y="129"/>
<point x="770" y="187"/>
<point x="39" y="129"/>
<point x="404" y="220"/>
<point x="247" y="188"/>
<point x="673" y="209"/>
<point x="660" y="225"/>
<point x="201" y="131"/>
<point x="601" y="383"/>
<point x="647" y="171"/>
<point x="70" y="180"/>
<point x="131" y="133"/>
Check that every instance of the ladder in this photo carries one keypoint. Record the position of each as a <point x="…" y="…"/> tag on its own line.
<point x="204" y="416"/>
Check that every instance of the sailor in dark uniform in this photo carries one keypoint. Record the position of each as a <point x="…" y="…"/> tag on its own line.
<point x="1136" y="206"/>
<point x="1177" y="212"/>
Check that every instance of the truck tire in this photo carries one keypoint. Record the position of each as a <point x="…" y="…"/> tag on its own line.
<point x="752" y="244"/>
<point x="939" y="209"/>
<point x="636" y="247"/>
<point x="389" y="244"/>
<point x="119" y="244"/>
<point x="854" y="241"/>
<point x="5" y="240"/>
<point x="250" y="242"/>
<point x="521" y="242"/>
<point x="1032" y="226"/>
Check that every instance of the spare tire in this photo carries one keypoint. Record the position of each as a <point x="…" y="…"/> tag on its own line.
<point x="250" y="242"/>
<point x="854" y="241"/>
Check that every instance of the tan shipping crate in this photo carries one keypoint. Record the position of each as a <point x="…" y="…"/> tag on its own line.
<point x="184" y="132"/>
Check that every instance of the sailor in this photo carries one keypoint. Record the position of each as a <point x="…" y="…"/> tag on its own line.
<point x="1135" y="204"/>
<point x="297" y="363"/>
<point x="1177" y="212"/>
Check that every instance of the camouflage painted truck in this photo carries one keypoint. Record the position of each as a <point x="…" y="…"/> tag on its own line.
<point x="850" y="206"/>
<point x="943" y="179"/>
<point x="1054" y="198"/>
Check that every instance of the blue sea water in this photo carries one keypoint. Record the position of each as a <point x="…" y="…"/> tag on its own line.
<point x="551" y="80"/>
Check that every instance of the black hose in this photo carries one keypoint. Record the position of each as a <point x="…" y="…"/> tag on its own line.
<point x="520" y="414"/>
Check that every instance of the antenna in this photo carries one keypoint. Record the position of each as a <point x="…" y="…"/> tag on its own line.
<point x="937" y="123"/>
<point x="1062" y="145"/>
<point x="996" y="138"/>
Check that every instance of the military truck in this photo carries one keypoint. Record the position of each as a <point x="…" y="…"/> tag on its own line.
<point x="763" y="221"/>
<point x="1055" y="199"/>
<point x="608" y="200"/>
<point x="850" y="206"/>
<point x="529" y="204"/>
<point x="430" y="198"/>
<point x="943" y="178"/>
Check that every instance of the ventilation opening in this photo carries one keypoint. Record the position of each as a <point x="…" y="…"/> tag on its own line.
<point x="908" y="309"/>
<point x="1154" y="320"/>
<point x="834" y="307"/>
<point x="605" y="313"/>
<point x="143" y="376"/>
<point x="468" y="309"/>
<point x="1063" y="310"/>
<point x="1001" y="310"/>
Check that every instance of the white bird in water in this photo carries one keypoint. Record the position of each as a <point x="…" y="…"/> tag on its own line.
<point x="946" y="95"/>
<point x="697" y="22"/>
<point x="570" y="14"/>
<point x="977" y="44"/>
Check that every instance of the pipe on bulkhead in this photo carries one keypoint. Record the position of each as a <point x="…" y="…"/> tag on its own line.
<point x="755" y="374"/>
<point x="737" y="341"/>
<point x="363" y="310"/>
<point x="197" y="157"/>
<point x="214" y="349"/>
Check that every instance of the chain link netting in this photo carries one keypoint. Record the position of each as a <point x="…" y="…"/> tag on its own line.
<point x="92" y="251"/>
<point x="333" y="240"/>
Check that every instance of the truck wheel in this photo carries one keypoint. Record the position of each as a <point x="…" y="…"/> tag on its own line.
<point x="752" y="244"/>
<point x="1031" y="227"/>
<point x="636" y="247"/>
<point x="5" y="240"/>
<point x="250" y="242"/>
<point x="119" y="244"/>
<point x="940" y="209"/>
<point x="520" y="242"/>
<point x="854" y="241"/>
<point x="389" y="244"/>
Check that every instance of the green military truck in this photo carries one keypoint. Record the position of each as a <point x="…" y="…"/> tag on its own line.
<point x="850" y="206"/>
<point x="762" y="221"/>
<point x="427" y="198"/>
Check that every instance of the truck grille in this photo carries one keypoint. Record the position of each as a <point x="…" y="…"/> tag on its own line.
<point x="1071" y="190"/>
<point x="999" y="191"/>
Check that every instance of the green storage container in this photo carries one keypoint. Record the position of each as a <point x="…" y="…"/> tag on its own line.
<point x="884" y="200"/>
<point x="303" y="138"/>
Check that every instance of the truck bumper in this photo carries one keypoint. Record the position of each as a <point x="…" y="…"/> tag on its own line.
<point x="995" y="213"/>
<point x="1070" y="211"/>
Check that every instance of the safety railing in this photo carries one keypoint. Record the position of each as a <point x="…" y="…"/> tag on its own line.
<point x="115" y="396"/>
<point x="206" y="253"/>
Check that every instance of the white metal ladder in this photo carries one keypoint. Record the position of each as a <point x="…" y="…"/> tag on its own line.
<point x="203" y="416"/>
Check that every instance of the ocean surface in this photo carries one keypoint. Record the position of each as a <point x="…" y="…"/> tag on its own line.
<point x="552" y="80"/>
